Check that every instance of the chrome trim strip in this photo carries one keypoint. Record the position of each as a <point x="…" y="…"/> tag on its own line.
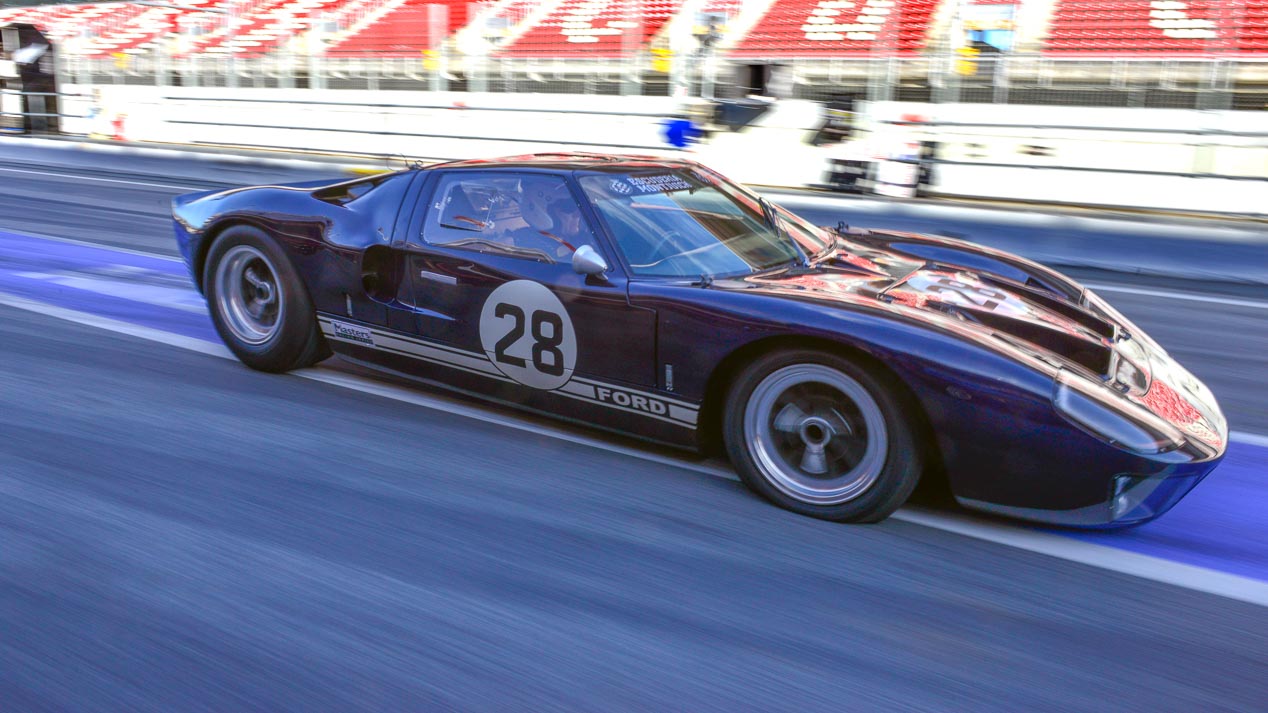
<point x="437" y="277"/>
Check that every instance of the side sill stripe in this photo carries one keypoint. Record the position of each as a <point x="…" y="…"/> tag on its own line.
<point x="660" y="397"/>
<point x="388" y="342"/>
<point x="679" y="413"/>
<point x="402" y="352"/>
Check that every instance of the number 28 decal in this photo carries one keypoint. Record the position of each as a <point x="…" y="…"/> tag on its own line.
<point x="527" y="334"/>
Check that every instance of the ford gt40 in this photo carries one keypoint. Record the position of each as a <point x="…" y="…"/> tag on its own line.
<point x="654" y="297"/>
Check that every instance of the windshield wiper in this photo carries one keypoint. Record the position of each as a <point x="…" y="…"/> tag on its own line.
<point x="768" y="214"/>
<point x="772" y="219"/>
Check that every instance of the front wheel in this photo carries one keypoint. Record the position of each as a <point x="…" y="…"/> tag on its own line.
<point x="258" y="303"/>
<point x="818" y="434"/>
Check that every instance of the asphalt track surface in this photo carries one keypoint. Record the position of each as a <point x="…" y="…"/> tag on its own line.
<point x="178" y="532"/>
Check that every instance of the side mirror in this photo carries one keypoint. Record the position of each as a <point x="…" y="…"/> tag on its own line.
<point x="587" y="261"/>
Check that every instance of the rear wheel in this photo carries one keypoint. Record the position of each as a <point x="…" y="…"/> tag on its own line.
<point x="822" y="436"/>
<point x="259" y="305"/>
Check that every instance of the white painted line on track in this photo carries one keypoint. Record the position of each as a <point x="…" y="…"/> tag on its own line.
<point x="1253" y="439"/>
<point x="1110" y="558"/>
<point x="101" y="180"/>
<point x="96" y="245"/>
<point x="355" y="383"/>
<point x="190" y="151"/>
<point x="114" y="325"/>
<point x="1157" y="569"/>
<point x="398" y="393"/>
<point x="1188" y="296"/>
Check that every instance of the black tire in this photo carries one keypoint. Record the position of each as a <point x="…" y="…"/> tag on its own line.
<point x="276" y="334"/>
<point x="820" y="435"/>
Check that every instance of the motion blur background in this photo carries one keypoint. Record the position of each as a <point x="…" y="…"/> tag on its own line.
<point x="1140" y="103"/>
<point x="178" y="532"/>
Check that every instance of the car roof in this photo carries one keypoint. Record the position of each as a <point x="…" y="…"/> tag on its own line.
<point x="572" y="161"/>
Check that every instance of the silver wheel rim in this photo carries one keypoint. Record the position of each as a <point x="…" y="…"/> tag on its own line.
<point x="248" y="295"/>
<point x="816" y="434"/>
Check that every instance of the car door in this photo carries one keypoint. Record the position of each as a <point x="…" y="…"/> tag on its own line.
<point x="501" y="307"/>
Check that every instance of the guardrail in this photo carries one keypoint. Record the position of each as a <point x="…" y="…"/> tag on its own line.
<point x="1218" y="81"/>
<point x="1070" y="127"/>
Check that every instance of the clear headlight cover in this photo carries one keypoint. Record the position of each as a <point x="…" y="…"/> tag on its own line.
<point x="1107" y="416"/>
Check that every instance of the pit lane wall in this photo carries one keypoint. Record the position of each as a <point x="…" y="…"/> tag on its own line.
<point x="423" y="125"/>
<point x="442" y="125"/>
<point x="1203" y="161"/>
<point x="1167" y="159"/>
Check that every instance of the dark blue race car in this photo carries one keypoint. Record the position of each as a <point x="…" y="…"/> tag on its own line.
<point x="656" y="298"/>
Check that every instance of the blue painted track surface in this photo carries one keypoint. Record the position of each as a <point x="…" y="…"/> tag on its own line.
<point x="1220" y="525"/>
<point x="141" y="289"/>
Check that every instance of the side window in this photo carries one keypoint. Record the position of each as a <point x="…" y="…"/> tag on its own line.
<point x="531" y="216"/>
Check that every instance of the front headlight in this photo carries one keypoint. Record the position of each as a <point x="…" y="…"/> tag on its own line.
<point x="1101" y="413"/>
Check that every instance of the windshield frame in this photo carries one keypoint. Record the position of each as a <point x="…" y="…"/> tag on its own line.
<point x="781" y="213"/>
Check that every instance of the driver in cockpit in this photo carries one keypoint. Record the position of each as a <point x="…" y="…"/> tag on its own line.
<point x="553" y="218"/>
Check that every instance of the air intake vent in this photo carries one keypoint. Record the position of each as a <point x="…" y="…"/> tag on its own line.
<point x="1090" y="355"/>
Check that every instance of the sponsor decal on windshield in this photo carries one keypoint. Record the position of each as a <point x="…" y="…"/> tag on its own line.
<point x="643" y="185"/>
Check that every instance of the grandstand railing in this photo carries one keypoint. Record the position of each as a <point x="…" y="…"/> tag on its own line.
<point x="1183" y="83"/>
<point x="472" y="60"/>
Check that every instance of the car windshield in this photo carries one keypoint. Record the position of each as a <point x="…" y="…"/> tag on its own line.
<point x="692" y="223"/>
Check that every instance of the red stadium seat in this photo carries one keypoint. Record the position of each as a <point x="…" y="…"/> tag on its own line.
<point x="102" y="30"/>
<point x="611" y="28"/>
<point x="1156" y="26"/>
<point x="405" y="31"/>
<point x="592" y="28"/>
<point x="827" y="28"/>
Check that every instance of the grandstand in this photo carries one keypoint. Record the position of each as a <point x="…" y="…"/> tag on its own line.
<point x="815" y="28"/>
<point x="402" y="28"/>
<point x="592" y="28"/>
<point x="611" y="28"/>
<point x="1152" y="26"/>
<point x="1102" y="46"/>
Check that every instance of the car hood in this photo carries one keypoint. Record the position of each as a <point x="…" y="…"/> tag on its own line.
<point x="1000" y="296"/>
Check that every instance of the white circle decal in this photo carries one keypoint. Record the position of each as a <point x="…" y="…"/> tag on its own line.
<point x="527" y="334"/>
